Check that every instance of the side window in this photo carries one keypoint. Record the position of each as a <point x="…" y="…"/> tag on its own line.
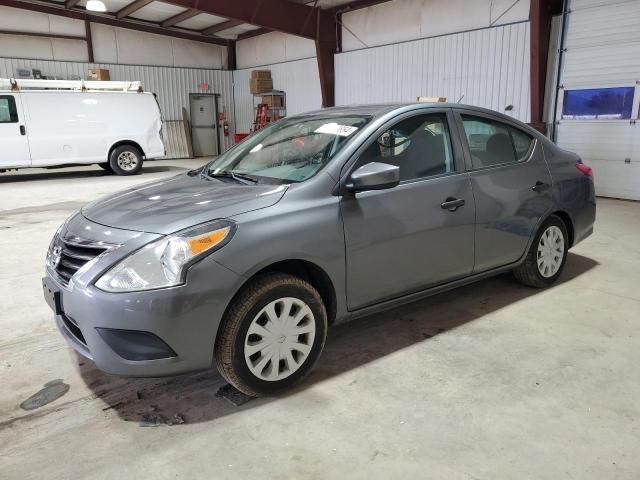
<point x="8" y="111"/>
<point x="489" y="142"/>
<point x="494" y="143"/>
<point x="419" y="145"/>
<point x="522" y="142"/>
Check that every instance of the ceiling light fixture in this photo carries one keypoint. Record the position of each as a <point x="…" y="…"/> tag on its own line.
<point x="96" y="6"/>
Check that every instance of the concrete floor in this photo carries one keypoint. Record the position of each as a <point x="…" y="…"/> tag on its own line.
<point x="492" y="381"/>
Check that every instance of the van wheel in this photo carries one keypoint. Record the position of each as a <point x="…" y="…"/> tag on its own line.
<point x="547" y="255"/>
<point x="125" y="160"/>
<point x="271" y="335"/>
<point x="105" y="166"/>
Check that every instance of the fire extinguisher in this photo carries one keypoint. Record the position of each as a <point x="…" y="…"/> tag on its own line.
<point x="226" y="128"/>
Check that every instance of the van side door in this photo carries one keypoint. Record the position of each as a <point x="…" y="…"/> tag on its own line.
<point x="511" y="186"/>
<point x="13" y="133"/>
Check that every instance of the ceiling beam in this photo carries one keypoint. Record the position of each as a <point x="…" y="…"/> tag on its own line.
<point x="281" y="15"/>
<point x="132" y="7"/>
<point x="253" y="33"/>
<point x="71" y="3"/>
<point x="357" y="5"/>
<point x="113" y="21"/>
<point x="219" y="27"/>
<point x="46" y="35"/>
<point x="181" y="17"/>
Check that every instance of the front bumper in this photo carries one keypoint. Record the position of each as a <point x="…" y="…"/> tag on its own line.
<point x="105" y="327"/>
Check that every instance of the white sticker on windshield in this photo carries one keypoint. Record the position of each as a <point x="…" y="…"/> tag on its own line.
<point x="336" y="129"/>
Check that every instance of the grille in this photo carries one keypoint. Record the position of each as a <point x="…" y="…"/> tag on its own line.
<point x="74" y="256"/>
<point x="72" y="326"/>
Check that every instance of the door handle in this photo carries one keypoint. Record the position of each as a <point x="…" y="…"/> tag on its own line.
<point x="452" y="204"/>
<point x="540" y="186"/>
<point x="23" y="131"/>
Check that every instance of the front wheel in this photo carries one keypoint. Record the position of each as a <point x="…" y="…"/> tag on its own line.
<point x="125" y="160"/>
<point x="547" y="255"/>
<point x="271" y="335"/>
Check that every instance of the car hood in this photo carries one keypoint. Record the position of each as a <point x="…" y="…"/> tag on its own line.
<point x="180" y="202"/>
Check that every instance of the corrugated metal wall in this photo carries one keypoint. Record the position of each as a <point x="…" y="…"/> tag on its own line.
<point x="172" y="85"/>
<point x="299" y="79"/>
<point x="487" y="68"/>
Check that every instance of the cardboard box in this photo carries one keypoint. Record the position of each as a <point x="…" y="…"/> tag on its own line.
<point x="98" y="74"/>
<point x="273" y="100"/>
<point x="431" y="99"/>
<point x="261" y="74"/>
<point x="259" y="86"/>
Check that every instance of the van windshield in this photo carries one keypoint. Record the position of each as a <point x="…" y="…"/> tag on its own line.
<point x="289" y="151"/>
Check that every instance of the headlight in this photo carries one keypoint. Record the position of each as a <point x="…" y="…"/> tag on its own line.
<point x="55" y="242"/>
<point x="164" y="263"/>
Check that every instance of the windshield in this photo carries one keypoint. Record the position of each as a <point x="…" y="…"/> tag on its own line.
<point x="291" y="150"/>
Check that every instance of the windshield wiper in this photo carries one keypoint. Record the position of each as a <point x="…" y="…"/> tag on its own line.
<point x="238" y="177"/>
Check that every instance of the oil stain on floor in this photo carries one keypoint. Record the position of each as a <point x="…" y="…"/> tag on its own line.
<point x="52" y="391"/>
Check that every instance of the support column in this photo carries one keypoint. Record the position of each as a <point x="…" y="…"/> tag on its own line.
<point x="89" y="39"/>
<point x="326" y="47"/>
<point x="540" y="30"/>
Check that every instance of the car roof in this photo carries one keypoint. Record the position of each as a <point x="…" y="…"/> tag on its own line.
<point x="380" y="109"/>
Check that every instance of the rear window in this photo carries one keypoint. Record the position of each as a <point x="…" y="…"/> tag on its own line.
<point x="598" y="104"/>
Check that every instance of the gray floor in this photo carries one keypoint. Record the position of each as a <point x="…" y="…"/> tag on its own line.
<point x="492" y="381"/>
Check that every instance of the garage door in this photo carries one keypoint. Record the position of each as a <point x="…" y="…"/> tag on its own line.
<point x="600" y="91"/>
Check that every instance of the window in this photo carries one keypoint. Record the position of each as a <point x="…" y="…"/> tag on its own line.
<point x="419" y="145"/>
<point x="493" y="143"/>
<point x="8" y="111"/>
<point x="522" y="142"/>
<point x="598" y="104"/>
<point x="291" y="150"/>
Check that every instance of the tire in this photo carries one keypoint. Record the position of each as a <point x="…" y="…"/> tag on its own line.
<point x="238" y="353"/>
<point x="125" y="160"/>
<point x="105" y="166"/>
<point x="536" y="271"/>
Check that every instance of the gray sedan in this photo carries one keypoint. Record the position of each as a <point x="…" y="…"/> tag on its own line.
<point x="313" y="220"/>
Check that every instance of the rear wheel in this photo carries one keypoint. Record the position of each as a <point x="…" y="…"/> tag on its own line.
<point x="547" y="255"/>
<point x="125" y="160"/>
<point x="271" y="335"/>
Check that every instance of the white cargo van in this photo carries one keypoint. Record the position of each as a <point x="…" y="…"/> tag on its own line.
<point x="47" y="123"/>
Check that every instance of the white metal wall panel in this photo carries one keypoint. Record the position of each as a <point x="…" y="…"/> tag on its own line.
<point x="603" y="50"/>
<point x="402" y="20"/>
<point x="172" y="86"/>
<point x="299" y="79"/>
<point x="487" y="68"/>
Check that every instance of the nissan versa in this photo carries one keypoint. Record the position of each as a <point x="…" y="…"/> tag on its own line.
<point x="313" y="220"/>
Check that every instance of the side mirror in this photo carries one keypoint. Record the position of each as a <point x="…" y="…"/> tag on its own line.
<point x="374" y="176"/>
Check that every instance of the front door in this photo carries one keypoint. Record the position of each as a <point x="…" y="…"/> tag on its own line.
<point x="204" y="123"/>
<point x="14" y="151"/>
<point x="408" y="238"/>
<point x="511" y="185"/>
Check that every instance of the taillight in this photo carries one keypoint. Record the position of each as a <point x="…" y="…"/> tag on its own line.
<point x="585" y="170"/>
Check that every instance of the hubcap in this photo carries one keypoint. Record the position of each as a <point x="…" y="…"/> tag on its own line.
<point x="279" y="339"/>
<point x="127" y="161"/>
<point x="550" y="251"/>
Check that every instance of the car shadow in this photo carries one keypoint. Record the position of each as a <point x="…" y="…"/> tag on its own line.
<point x="195" y="397"/>
<point x="66" y="173"/>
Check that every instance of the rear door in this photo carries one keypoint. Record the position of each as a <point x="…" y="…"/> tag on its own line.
<point x="13" y="139"/>
<point x="408" y="238"/>
<point x="511" y="186"/>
